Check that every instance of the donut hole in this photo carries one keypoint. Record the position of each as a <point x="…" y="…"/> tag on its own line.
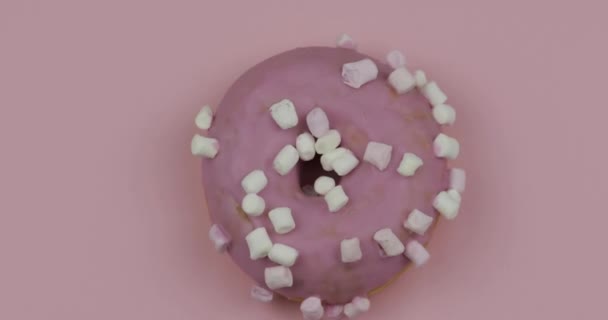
<point x="309" y="171"/>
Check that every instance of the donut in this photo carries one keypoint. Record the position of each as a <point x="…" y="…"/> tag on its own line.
<point x="325" y="171"/>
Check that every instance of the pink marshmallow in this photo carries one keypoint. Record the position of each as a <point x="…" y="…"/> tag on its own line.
<point x="317" y="122"/>
<point x="458" y="179"/>
<point x="378" y="154"/>
<point x="346" y="42"/>
<point x="358" y="73"/>
<point x="261" y="294"/>
<point x="312" y="309"/>
<point x="395" y="59"/>
<point x="334" y="311"/>
<point x="417" y="253"/>
<point x="278" y="277"/>
<point x="221" y="240"/>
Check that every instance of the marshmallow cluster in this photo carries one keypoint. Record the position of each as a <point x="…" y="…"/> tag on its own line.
<point x="417" y="253"/>
<point x="204" y="146"/>
<point x="445" y="146"/>
<point x="254" y="182"/>
<point x="358" y="73"/>
<point x="259" y="243"/>
<point x="312" y="309"/>
<point x="221" y="240"/>
<point x="409" y="164"/>
<point x="418" y="222"/>
<point x="378" y="154"/>
<point x="336" y="199"/>
<point x="286" y="159"/>
<point x="350" y="250"/>
<point x="284" y="114"/>
<point x="388" y="241"/>
<point x="356" y="307"/>
<point x="447" y="203"/>
<point x="278" y="277"/>
<point x="282" y="220"/>
<point x="204" y="118"/>
<point x="260" y="294"/>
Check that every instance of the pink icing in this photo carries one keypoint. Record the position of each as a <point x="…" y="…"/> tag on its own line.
<point x="311" y="77"/>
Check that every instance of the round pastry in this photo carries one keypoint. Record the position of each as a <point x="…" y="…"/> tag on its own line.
<point x="324" y="171"/>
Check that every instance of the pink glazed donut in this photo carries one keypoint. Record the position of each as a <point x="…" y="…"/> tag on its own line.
<point x="312" y="260"/>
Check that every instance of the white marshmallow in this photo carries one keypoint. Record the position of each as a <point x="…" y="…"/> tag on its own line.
<point x="433" y="94"/>
<point x="378" y="154"/>
<point x="391" y="245"/>
<point x="317" y="121"/>
<point x="444" y="114"/>
<point x="417" y="253"/>
<point x="278" y="277"/>
<point x="358" y="306"/>
<point x="253" y="204"/>
<point x="445" y="146"/>
<point x="447" y="205"/>
<point x="401" y="80"/>
<point x="458" y="179"/>
<point x="283" y="255"/>
<point x="328" y="142"/>
<point x="261" y="294"/>
<point x="323" y="184"/>
<point x="336" y="199"/>
<point x="334" y="311"/>
<point x="418" y="222"/>
<point x="221" y="239"/>
<point x="420" y="78"/>
<point x="312" y="309"/>
<point x="284" y="114"/>
<point x="395" y="59"/>
<point x="345" y="164"/>
<point x="282" y="220"/>
<point x="409" y="164"/>
<point x="203" y="146"/>
<point x="455" y="195"/>
<point x="305" y="144"/>
<point x="345" y="41"/>
<point x="259" y="243"/>
<point x="204" y="118"/>
<point x="286" y="159"/>
<point x="328" y="159"/>
<point x="358" y="73"/>
<point x="350" y="250"/>
<point x="254" y="182"/>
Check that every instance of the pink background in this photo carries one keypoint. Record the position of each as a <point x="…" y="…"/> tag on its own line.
<point x="101" y="214"/>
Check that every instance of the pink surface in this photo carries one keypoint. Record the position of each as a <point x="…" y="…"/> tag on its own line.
<point x="101" y="215"/>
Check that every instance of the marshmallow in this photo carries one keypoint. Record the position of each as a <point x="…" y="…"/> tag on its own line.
<point x="455" y="195"/>
<point x="259" y="243"/>
<point x="221" y="240"/>
<point x="253" y="204"/>
<point x="286" y="159"/>
<point x="432" y="93"/>
<point x="378" y="154"/>
<point x="444" y="114"/>
<point x="328" y="159"/>
<point x="395" y="59"/>
<point x="283" y="255"/>
<point x="346" y="42"/>
<point x="401" y="80"/>
<point x="203" y="146"/>
<point x="336" y="199"/>
<point x="312" y="309"/>
<point x="409" y="164"/>
<point x="417" y="253"/>
<point x="358" y="306"/>
<point x="284" y="114"/>
<point x="350" y="250"/>
<point x="445" y="146"/>
<point x="305" y="144"/>
<point x="254" y="182"/>
<point x="447" y="205"/>
<point x="458" y="179"/>
<point x="261" y="294"/>
<point x="358" y="73"/>
<point x="420" y="78"/>
<point x="204" y="118"/>
<point x="282" y="220"/>
<point x="323" y="185"/>
<point x="317" y="122"/>
<point x="278" y="277"/>
<point x="391" y="245"/>
<point x="334" y="311"/>
<point x="345" y="164"/>
<point x="418" y="222"/>
<point x="328" y="142"/>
